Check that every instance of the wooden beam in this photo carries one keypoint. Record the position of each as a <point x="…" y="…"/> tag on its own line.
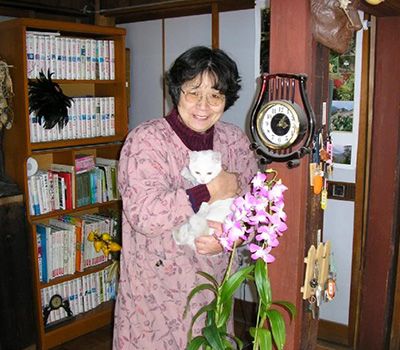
<point x="170" y="9"/>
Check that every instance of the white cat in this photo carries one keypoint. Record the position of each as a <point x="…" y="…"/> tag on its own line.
<point x="203" y="167"/>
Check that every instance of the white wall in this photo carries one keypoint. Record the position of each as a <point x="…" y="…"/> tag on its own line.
<point x="338" y="228"/>
<point x="181" y="34"/>
<point x="237" y="38"/>
<point x="145" y="42"/>
<point x="339" y="215"/>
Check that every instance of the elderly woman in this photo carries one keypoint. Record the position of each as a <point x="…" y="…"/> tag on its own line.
<point x="156" y="274"/>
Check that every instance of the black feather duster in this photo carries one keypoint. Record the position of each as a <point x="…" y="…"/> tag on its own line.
<point x="47" y="102"/>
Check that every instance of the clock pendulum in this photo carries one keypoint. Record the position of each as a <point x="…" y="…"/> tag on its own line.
<point x="281" y="129"/>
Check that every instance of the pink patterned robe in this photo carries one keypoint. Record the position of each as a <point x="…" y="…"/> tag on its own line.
<point x="156" y="274"/>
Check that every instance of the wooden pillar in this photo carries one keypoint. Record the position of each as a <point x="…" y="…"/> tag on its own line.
<point x="214" y="25"/>
<point x="293" y="50"/>
<point x="102" y="20"/>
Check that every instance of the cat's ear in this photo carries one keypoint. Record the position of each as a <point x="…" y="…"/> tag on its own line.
<point x="193" y="155"/>
<point x="217" y="157"/>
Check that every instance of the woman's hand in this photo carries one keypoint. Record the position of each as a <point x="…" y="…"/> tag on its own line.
<point x="224" y="185"/>
<point x="209" y="244"/>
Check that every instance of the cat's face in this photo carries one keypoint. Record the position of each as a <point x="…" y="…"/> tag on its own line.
<point x="204" y="165"/>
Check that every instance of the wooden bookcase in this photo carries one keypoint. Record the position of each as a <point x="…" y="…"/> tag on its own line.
<point x="18" y="148"/>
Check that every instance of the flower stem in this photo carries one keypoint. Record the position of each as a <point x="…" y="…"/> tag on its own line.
<point x="226" y="276"/>
<point x="231" y="258"/>
<point x="255" y="345"/>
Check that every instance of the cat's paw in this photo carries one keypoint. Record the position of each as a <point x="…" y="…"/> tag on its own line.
<point x="187" y="175"/>
<point x="180" y="235"/>
<point x="204" y="209"/>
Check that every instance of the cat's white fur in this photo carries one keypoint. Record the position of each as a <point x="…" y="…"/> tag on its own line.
<point x="203" y="167"/>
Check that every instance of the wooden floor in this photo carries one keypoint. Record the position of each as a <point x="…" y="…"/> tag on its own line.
<point x="102" y="340"/>
<point x="98" y="340"/>
<point x="243" y="311"/>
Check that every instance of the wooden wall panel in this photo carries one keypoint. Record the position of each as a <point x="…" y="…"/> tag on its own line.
<point x="382" y="236"/>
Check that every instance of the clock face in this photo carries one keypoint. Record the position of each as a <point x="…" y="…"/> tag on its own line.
<point x="55" y="302"/>
<point x="279" y="124"/>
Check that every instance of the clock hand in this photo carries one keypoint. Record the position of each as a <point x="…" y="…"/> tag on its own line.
<point x="282" y="123"/>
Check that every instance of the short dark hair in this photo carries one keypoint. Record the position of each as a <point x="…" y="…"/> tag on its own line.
<point x="200" y="59"/>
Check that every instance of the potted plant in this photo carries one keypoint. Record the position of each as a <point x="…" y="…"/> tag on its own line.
<point x="257" y="218"/>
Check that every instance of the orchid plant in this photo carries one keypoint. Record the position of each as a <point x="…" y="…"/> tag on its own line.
<point x="257" y="218"/>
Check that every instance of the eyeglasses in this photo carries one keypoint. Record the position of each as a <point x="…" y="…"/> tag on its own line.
<point x="213" y="99"/>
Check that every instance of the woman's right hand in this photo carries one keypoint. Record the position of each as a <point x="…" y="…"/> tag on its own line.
<point x="224" y="185"/>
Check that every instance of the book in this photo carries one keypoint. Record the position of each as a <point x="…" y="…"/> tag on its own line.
<point x="110" y="167"/>
<point x="43" y="232"/>
<point x="79" y="243"/>
<point x="68" y="173"/>
<point x="69" y="250"/>
<point x="84" y="162"/>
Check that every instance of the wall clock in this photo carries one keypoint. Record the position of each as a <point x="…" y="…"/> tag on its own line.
<point x="282" y="130"/>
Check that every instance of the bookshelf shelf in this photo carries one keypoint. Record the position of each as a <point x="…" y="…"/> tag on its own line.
<point x="74" y="143"/>
<point x="76" y="275"/>
<point x="89" y="321"/>
<point x="19" y="146"/>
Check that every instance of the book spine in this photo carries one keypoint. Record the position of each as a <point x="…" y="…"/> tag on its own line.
<point x="68" y="54"/>
<point x="112" y="115"/>
<point x="42" y="54"/>
<point x="106" y="54"/>
<point x="94" y="60"/>
<point x="100" y="60"/>
<point x="30" y="55"/>
<point x="58" y="58"/>
<point x="47" y="48"/>
<point x="112" y="59"/>
<point x="53" y="56"/>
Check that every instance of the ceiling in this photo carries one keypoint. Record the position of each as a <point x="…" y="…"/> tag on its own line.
<point x="124" y="11"/>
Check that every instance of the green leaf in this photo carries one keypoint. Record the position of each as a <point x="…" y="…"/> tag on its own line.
<point x="196" y="343"/>
<point x="287" y="305"/>
<point x="229" y="287"/>
<point x="213" y="337"/>
<point x="278" y="327"/>
<point x="205" y="308"/>
<point x="264" y="339"/>
<point x="225" y="313"/>
<point x="238" y="342"/>
<point x="210" y="317"/>
<point x="262" y="282"/>
<point x="227" y="344"/>
<point x="252" y="331"/>
<point x="198" y="289"/>
<point x="209" y="277"/>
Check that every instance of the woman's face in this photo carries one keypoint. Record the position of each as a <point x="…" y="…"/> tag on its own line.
<point x="200" y="106"/>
